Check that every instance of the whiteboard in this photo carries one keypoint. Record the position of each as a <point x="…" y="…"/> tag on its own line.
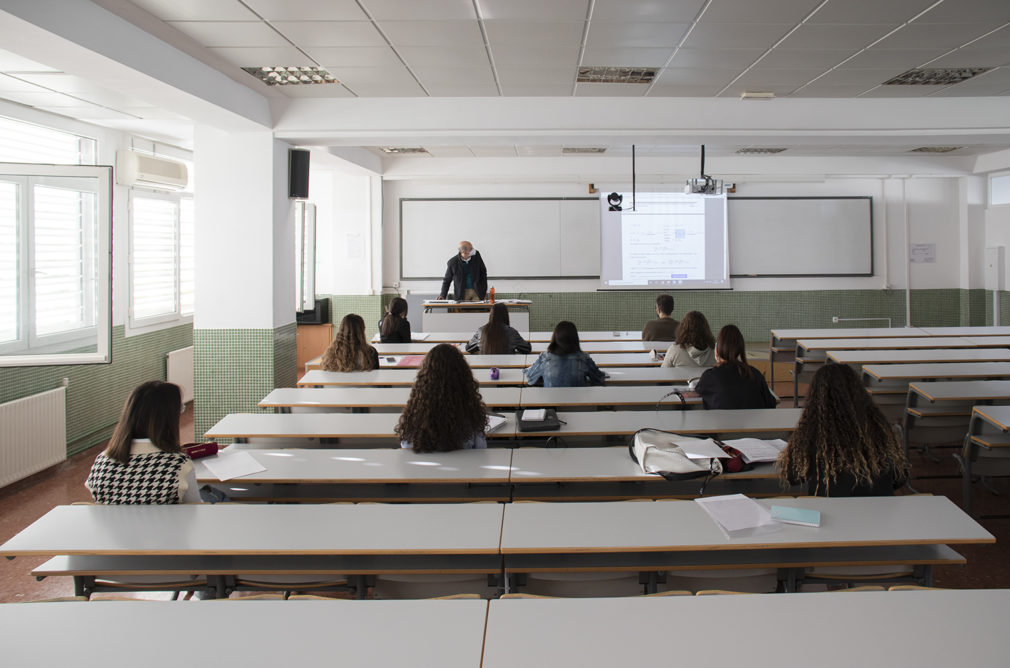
<point x="517" y="238"/>
<point x="800" y="236"/>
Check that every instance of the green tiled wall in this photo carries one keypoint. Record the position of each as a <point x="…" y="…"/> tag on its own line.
<point x="235" y="368"/>
<point x="96" y="392"/>
<point x="369" y="307"/>
<point x="1004" y="307"/>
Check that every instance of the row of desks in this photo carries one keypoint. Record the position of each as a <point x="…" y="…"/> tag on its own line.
<point x="591" y="347"/>
<point x="650" y="374"/>
<point x="391" y="361"/>
<point x="507" y="633"/>
<point x="532" y="337"/>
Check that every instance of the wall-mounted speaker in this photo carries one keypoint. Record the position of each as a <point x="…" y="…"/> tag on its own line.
<point x="298" y="173"/>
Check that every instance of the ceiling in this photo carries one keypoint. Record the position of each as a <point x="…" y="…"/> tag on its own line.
<point x="534" y="49"/>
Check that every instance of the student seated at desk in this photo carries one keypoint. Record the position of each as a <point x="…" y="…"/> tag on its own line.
<point x="564" y="364"/>
<point x="350" y="350"/>
<point x="498" y="337"/>
<point x="843" y="444"/>
<point x="664" y="327"/>
<point x="394" y="326"/>
<point x="694" y="345"/>
<point x="144" y="462"/>
<point x="733" y="383"/>
<point x="444" y="411"/>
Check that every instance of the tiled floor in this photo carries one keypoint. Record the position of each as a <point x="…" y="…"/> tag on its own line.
<point x="22" y="503"/>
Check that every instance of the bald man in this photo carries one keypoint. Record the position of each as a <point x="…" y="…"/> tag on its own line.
<point x="467" y="274"/>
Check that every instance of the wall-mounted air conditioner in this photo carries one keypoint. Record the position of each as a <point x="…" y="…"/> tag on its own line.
<point x="147" y="171"/>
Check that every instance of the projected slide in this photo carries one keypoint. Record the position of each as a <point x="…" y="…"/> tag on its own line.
<point x="670" y="240"/>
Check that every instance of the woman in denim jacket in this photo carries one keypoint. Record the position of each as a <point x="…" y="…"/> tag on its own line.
<point x="564" y="364"/>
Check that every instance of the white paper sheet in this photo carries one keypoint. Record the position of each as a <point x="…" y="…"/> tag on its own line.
<point x="757" y="450"/>
<point x="227" y="464"/>
<point x="700" y="449"/>
<point x="534" y="414"/>
<point x="419" y="336"/>
<point x="494" y="423"/>
<point x="736" y="512"/>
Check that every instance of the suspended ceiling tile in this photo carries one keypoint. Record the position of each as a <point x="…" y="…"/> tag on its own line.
<point x="793" y="58"/>
<point x="851" y="37"/>
<point x="677" y="77"/>
<point x="433" y="33"/>
<point x="857" y="77"/>
<point x="817" y="89"/>
<point x="610" y="90"/>
<point x="894" y="12"/>
<point x="460" y="89"/>
<point x="522" y="89"/>
<point x="682" y="11"/>
<point x="197" y="10"/>
<point x="354" y="56"/>
<point x="534" y="10"/>
<point x="458" y="75"/>
<point x="534" y="33"/>
<point x="412" y="10"/>
<point x="441" y="56"/>
<point x="231" y="33"/>
<point x="900" y="59"/>
<point x="286" y="56"/>
<point x="946" y="36"/>
<point x="625" y="57"/>
<point x="319" y="91"/>
<point x="736" y="35"/>
<point x="705" y="59"/>
<point x="756" y="78"/>
<point x="307" y="10"/>
<point x="972" y="57"/>
<point x="901" y="91"/>
<point x="330" y="33"/>
<point x="386" y="88"/>
<point x="557" y="57"/>
<point x="685" y="90"/>
<point x="638" y="35"/>
<point x="741" y="86"/>
<point x="967" y="11"/>
<point x="357" y="77"/>
<point x="536" y="75"/>
<point x="766" y="11"/>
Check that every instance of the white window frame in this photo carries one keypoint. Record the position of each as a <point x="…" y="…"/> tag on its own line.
<point x="997" y="175"/>
<point x="135" y="326"/>
<point x="305" y="256"/>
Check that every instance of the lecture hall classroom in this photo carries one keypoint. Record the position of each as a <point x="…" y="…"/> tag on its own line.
<point x="261" y="169"/>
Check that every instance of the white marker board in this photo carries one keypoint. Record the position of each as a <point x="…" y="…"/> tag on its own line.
<point x="518" y="238"/>
<point x="800" y="236"/>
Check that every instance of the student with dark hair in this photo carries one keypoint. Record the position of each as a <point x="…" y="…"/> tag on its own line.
<point x="694" y="345"/>
<point x="349" y="350"/>
<point x="498" y="337"/>
<point x="663" y="328"/>
<point x="394" y="326"/>
<point x="732" y="383"/>
<point x="445" y="410"/>
<point x="843" y="444"/>
<point x="564" y="364"/>
<point x="144" y="462"/>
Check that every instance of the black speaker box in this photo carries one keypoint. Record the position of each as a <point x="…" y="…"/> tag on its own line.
<point x="298" y="173"/>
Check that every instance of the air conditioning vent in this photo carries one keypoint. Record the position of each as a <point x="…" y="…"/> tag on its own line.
<point x="629" y="75"/>
<point x="403" y="150"/>
<point x="147" y="171"/>
<point x="935" y="76"/>
<point x="569" y="150"/>
<point x="935" y="149"/>
<point x="759" y="150"/>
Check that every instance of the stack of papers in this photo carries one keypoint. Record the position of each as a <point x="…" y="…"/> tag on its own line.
<point x="738" y="515"/>
<point x="228" y="464"/>
<point x="495" y="422"/>
<point x="410" y="360"/>
<point x="696" y="448"/>
<point x="534" y="414"/>
<point x="757" y="450"/>
<point x="419" y="336"/>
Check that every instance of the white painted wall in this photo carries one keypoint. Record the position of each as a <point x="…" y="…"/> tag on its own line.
<point x="344" y="234"/>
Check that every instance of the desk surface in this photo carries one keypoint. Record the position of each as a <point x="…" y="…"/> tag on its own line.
<point x="670" y="526"/>
<point x="998" y="416"/>
<point x="617" y="423"/>
<point x="592" y="335"/>
<point x="967" y="331"/>
<point x="368" y="397"/>
<point x="845" y="333"/>
<point x="945" y="370"/>
<point x="385" y="465"/>
<point x="616" y="346"/>
<point x="924" y="356"/>
<point x="613" y="395"/>
<point x="238" y="529"/>
<point x="397" y="377"/>
<point x="475" y="361"/>
<point x="886" y="628"/>
<point x="449" y="634"/>
<point x="884" y="343"/>
<point x="321" y="425"/>
<point x="963" y="390"/>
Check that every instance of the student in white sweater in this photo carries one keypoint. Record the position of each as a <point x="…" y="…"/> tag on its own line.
<point x="694" y="345"/>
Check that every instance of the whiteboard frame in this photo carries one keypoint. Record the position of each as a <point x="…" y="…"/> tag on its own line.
<point x="487" y="199"/>
<point x="869" y="199"/>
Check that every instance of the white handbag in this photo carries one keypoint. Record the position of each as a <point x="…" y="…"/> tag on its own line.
<point x="656" y="452"/>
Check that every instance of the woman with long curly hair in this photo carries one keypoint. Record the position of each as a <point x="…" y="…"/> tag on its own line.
<point x="694" y="345"/>
<point x="350" y="350"/>
<point x="732" y="383"/>
<point x="498" y="337"/>
<point x="445" y="410"/>
<point x="843" y="444"/>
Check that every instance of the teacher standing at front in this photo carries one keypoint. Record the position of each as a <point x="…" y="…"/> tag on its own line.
<point x="467" y="274"/>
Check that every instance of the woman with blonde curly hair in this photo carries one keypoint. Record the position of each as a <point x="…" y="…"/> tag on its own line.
<point x="694" y="345"/>
<point x="350" y="350"/>
<point x="843" y="445"/>
<point x="445" y="410"/>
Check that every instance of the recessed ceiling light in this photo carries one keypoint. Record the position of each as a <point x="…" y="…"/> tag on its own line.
<point x="759" y="150"/>
<point x="582" y="149"/>
<point x="633" y="75"/>
<point x="402" y="150"/>
<point x="937" y="76"/>
<point x="935" y="149"/>
<point x="291" y="76"/>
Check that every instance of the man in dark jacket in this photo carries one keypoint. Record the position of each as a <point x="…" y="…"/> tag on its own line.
<point x="467" y="274"/>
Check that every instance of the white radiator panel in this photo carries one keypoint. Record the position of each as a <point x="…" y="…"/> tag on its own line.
<point x="179" y="365"/>
<point x="33" y="434"/>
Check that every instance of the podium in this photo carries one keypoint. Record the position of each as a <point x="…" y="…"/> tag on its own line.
<point x="451" y="316"/>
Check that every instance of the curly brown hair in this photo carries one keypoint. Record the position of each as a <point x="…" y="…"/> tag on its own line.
<point x="349" y="351"/>
<point x="693" y="330"/>
<point x="445" y="409"/>
<point x="841" y="431"/>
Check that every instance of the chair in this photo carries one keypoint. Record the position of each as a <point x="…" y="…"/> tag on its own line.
<point x="521" y="595"/>
<point x="432" y="585"/>
<point x="750" y="580"/>
<point x="913" y="588"/>
<point x="584" y="585"/>
<point x="722" y="592"/>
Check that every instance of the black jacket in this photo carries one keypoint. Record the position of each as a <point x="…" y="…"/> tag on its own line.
<point x="400" y="335"/>
<point x="454" y="273"/>
<point x="723" y="387"/>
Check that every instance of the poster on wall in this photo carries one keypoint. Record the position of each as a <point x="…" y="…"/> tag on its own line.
<point x="922" y="252"/>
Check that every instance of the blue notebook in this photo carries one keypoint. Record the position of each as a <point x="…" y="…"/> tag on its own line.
<point x="792" y="515"/>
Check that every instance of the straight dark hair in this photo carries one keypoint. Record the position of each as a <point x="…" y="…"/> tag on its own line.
<point x="494" y="337"/>
<point x="731" y="349"/>
<point x="665" y="304"/>
<point x="395" y="313"/>
<point x="565" y="339"/>
<point x="151" y="411"/>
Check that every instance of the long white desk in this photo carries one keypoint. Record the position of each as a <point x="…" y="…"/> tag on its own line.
<point x="883" y="628"/>
<point x="288" y="399"/>
<point x="591" y="335"/>
<point x="615" y="346"/>
<point x="600" y="396"/>
<point x="397" y="378"/>
<point x="939" y="410"/>
<point x="967" y="331"/>
<point x="462" y="316"/>
<point x="894" y="378"/>
<point x="252" y="634"/>
<point x="986" y="449"/>
<point x="918" y="356"/>
<point x="625" y="423"/>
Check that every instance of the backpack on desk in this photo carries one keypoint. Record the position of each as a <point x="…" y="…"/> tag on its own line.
<point x="655" y="451"/>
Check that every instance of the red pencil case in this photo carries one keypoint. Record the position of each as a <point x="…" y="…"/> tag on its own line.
<point x="198" y="450"/>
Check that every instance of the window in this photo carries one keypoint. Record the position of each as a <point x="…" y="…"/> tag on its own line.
<point x="999" y="189"/>
<point x="305" y="256"/>
<point x="161" y="258"/>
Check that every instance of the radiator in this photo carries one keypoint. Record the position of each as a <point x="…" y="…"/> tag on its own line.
<point x="33" y="434"/>
<point x="179" y="370"/>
